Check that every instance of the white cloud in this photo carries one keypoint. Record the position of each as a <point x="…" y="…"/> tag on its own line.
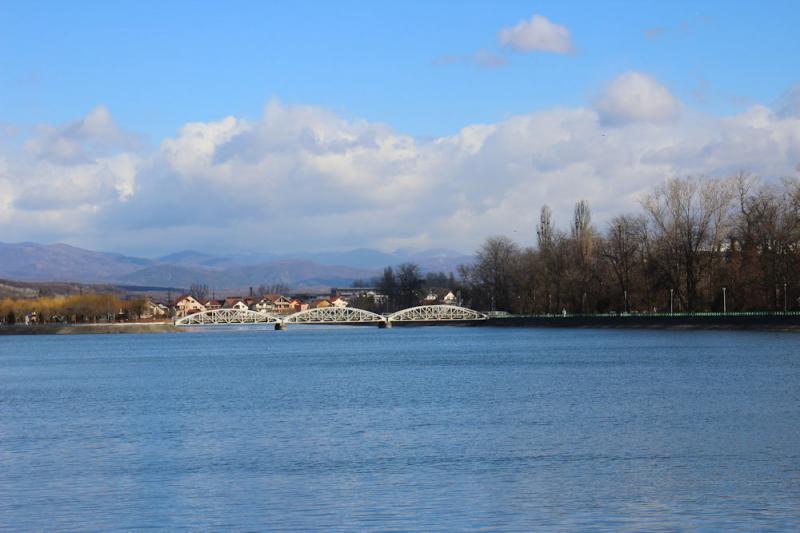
<point x="634" y="96"/>
<point x="302" y="177"/>
<point x="81" y="141"/>
<point x="537" y="34"/>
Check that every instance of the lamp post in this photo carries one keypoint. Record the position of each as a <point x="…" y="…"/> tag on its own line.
<point x="670" y="301"/>
<point x="785" y="300"/>
<point x="724" y="302"/>
<point x="626" y="301"/>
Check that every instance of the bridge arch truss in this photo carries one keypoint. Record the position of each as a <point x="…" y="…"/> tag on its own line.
<point x="436" y="313"/>
<point x="227" y="316"/>
<point x="334" y="315"/>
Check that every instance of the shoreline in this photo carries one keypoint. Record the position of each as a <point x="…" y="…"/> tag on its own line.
<point x="779" y="323"/>
<point x="787" y="323"/>
<point x="88" y="329"/>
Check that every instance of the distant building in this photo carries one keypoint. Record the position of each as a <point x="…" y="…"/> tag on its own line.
<point x="352" y="294"/>
<point x="333" y="301"/>
<point x="323" y="303"/>
<point x="274" y="303"/>
<point x="214" y="304"/>
<point x="154" y="310"/>
<point x="264" y="305"/>
<point x="338" y="301"/>
<point x="297" y="305"/>
<point x="231" y="301"/>
<point x="440" y="296"/>
<point x="236" y="302"/>
<point x="187" y="305"/>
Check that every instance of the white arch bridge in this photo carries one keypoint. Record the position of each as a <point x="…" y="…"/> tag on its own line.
<point x="334" y="315"/>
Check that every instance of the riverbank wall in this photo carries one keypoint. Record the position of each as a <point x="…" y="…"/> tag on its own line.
<point x="77" y="329"/>
<point x="754" y="321"/>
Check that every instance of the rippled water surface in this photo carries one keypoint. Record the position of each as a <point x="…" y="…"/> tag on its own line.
<point x="405" y="429"/>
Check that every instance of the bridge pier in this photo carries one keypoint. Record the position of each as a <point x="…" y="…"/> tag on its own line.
<point x="280" y="326"/>
<point x="384" y="325"/>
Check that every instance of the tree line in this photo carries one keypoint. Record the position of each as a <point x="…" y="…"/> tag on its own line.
<point x="698" y="244"/>
<point x="73" y="309"/>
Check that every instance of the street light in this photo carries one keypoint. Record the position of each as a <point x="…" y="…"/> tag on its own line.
<point x="670" y="301"/>
<point x="785" y="301"/>
<point x="626" y="301"/>
<point x="724" y="302"/>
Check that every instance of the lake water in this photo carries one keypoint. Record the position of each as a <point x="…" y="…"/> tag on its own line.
<point x="435" y="429"/>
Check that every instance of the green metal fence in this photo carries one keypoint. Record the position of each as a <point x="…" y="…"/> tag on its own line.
<point x="653" y="315"/>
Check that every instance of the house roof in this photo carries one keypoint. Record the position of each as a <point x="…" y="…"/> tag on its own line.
<point x="275" y="297"/>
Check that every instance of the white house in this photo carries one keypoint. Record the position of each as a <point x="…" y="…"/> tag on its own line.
<point x="338" y="301"/>
<point x="154" y="310"/>
<point x="440" y="296"/>
<point x="264" y="305"/>
<point x="187" y="305"/>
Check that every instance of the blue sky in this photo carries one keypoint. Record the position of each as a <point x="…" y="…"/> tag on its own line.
<point x="423" y="70"/>
<point x="157" y="65"/>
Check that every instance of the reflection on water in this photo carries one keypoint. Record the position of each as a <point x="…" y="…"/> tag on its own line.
<point x="411" y="428"/>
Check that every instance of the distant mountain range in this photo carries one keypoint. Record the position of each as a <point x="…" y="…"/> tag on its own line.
<point x="62" y="262"/>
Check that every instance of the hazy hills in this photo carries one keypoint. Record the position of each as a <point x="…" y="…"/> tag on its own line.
<point x="62" y="262"/>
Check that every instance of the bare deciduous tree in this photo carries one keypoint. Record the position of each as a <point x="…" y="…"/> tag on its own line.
<point x="198" y="291"/>
<point x="689" y="216"/>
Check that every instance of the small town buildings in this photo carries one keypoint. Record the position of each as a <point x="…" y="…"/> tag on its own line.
<point x="361" y="294"/>
<point x="322" y="303"/>
<point x="187" y="305"/>
<point x="154" y="310"/>
<point x="214" y="304"/>
<point x="278" y="304"/>
<point x="298" y="306"/>
<point x="352" y="293"/>
<point x="281" y="304"/>
<point x="440" y="296"/>
<point x="237" y="303"/>
<point x="264" y="305"/>
<point x="333" y="301"/>
<point x="231" y="301"/>
<point x="338" y="301"/>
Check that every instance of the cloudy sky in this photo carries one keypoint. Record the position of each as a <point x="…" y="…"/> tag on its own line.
<point x="143" y="128"/>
